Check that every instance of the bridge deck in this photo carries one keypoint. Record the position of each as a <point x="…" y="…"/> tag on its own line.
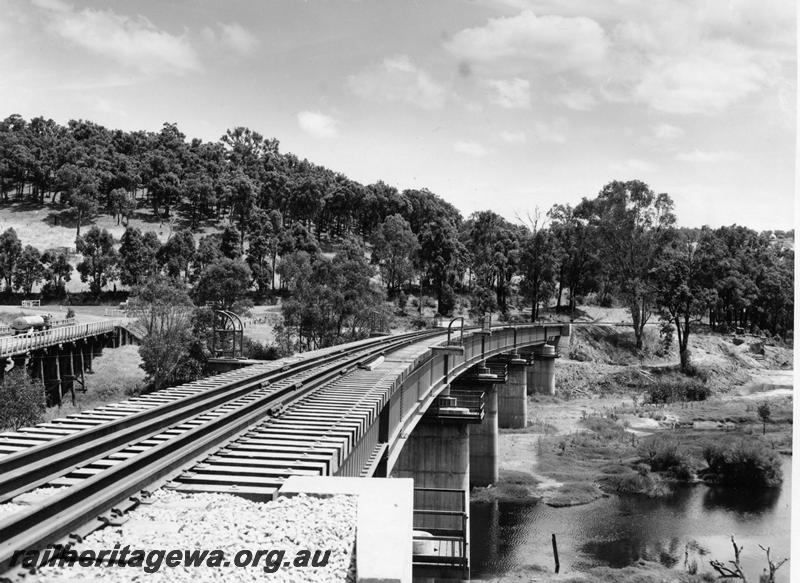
<point x="332" y="431"/>
<point x="13" y="345"/>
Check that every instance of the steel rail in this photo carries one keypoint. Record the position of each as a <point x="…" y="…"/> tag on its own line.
<point x="39" y="464"/>
<point x="59" y="514"/>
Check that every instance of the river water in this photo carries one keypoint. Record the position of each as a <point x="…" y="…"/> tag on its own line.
<point x="619" y="531"/>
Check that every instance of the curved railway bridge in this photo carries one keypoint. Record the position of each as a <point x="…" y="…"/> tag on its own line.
<point x="420" y="405"/>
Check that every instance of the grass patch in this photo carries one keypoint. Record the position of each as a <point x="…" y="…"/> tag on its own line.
<point x="541" y="426"/>
<point x="640" y="481"/>
<point x="574" y="494"/>
<point x="512" y="486"/>
<point x="605" y="428"/>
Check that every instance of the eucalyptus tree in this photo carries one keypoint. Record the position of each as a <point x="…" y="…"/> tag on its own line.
<point x="138" y="256"/>
<point x="494" y="247"/>
<point x="100" y="259"/>
<point x="633" y="225"/>
<point x="394" y="249"/>
<point x="29" y="270"/>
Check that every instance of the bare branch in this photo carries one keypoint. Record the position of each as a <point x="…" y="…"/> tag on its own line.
<point x="773" y="568"/>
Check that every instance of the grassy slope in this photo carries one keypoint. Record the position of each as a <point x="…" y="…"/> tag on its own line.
<point x="44" y="229"/>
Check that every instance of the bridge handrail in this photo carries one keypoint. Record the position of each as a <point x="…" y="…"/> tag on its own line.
<point x="10" y="345"/>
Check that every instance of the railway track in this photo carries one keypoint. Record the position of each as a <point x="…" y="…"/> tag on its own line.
<point x="102" y="460"/>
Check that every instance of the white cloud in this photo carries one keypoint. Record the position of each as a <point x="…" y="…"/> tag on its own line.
<point x="470" y="149"/>
<point x="708" y="79"/>
<point x="318" y="124"/>
<point x="511" y="93"/>
<point x="579" y="100"/>
<point x="514" y="136"/>
<point x="132" y="42"/>
<point x="705" y="157"/>
<point x="665" y="131"/>
<point x="398" y="79"/>
<point x="233" y="37"/>
<point x="554" y="132"/>
<point x="700" y="58"/>
<point x="555" y="43"/>
<point x="634" y="165"/>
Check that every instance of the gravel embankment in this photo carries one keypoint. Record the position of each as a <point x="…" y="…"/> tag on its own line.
<point x="230" y="524"/>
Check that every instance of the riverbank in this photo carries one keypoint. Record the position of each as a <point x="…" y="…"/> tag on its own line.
<point x="591" y="442"/>
<point x="589" y="448"/>
<point x="586" y="442"/>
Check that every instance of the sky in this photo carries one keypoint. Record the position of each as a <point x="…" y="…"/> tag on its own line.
<point x="508" y="105"/>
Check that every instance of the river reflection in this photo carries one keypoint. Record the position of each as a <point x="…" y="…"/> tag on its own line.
<point x="620" y="531"/>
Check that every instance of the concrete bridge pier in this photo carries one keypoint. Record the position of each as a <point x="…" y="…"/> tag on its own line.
<point x="436" y="455"/>
<point x="542" y="375"/>
<point x="512" y="396"/>
<point x="483" y="446"/>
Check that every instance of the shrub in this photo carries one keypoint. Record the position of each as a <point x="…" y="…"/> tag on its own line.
<point x="665" y="455"/>
<point x="682" y="390"/>
<point x="22" y="401"/>
<point x="258" y="351"/>
<point x="604" y="428"/>
<point x="699" y="372"/>
<point x="641" y="482"/>
<point x="70" y="313"/>
<point x="402" y="301"/>
<point x="743" y="462"/>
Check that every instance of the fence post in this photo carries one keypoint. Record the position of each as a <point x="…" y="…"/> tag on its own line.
<point x="555" y="552"/>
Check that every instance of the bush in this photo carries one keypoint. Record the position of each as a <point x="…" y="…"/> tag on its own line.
<point x="665" y="455"/>
<point x="604" y="428"/>
<point x="641" y="482"/>
<point x="682" y="390"/>
<point x="743" y="462"/>
<point x="22" y="401"/>
<point x="699" y="372"/>
<point x="70" y="313"/>
<point x="402" y="301"/>
<point x="258" y="351"/>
